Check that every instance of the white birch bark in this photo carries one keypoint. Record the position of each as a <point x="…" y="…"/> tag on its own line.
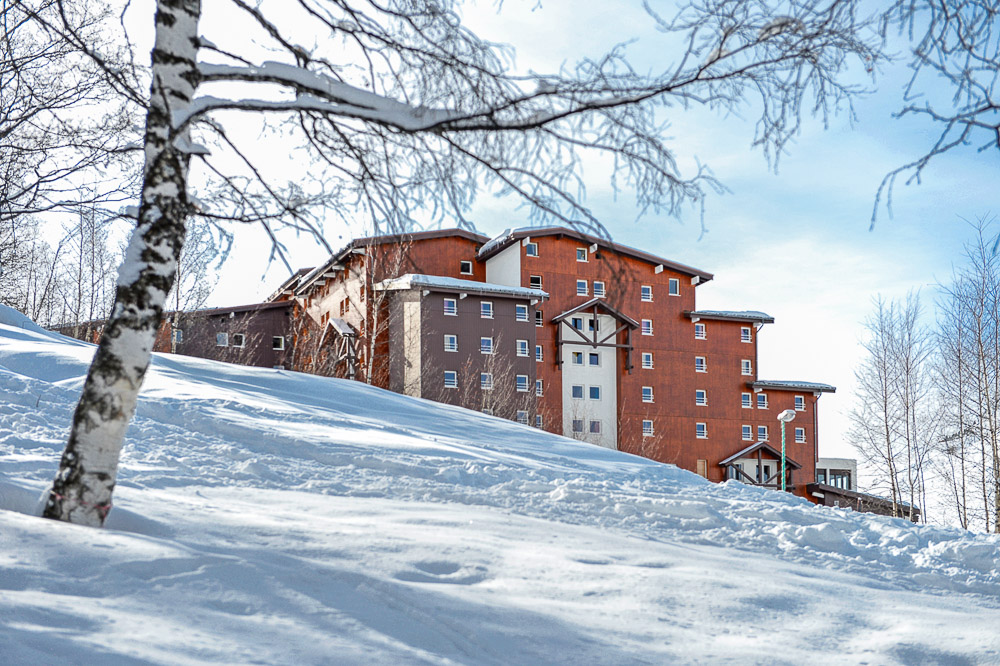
<point x="81" y="492"/>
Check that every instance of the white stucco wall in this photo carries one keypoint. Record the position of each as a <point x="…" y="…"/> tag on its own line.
<point x="505" y="267"/>
<point x="604" y="375"/>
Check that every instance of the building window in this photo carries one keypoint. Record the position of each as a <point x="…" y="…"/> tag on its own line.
<point x="535" y="281"/>
<point x="539" y="388"/>
<point x="531" y="249"/>
<point x="700" y="397"/>
<point x="594" y="358"/>
<point x="522" y="383"/>
<point x="581" y="287"/>
<point x="488" y="411"/>
<point x="451" y="343"/>
<point x="647" y="394"/>
<point x="278" y="342"/>
<point x="647" y="326"/>
<point x="521" y="312"/>
<point x="539" y="318"/>
<point x="747" y="433"/>
<point x="538" y="420"/>
<point x="577" y="358"/>
<point x="646" y="292"/>
<point x="647" y="360"/>
<point x="465" y="267"/>
<point x="761" y="401"/>
<point x="800" y="403"/>
<point x="745" y="334"/>
<point x="522" y="348"/>
<point x="647" y="427"/>
<point x="699" y="364"/>
<point x="577" y="391"/>
<point x="450" y="379"/>
<point x="800" y="435"/>
<point x="595" y="427"/>
<point x="221" y="339"/>
<point x="581" y="254"/>
<point x="699" y="332"/>
<point x="177" y="335"/>
<point x="522" y="416"/>
<point x="595" y="392"/>
<point x="762" y="433"/>
<point x="486" y="345"/>
<point x="598" y="289"/>
<point x="593" y="324"/>
<point x="486" y="310"/>
<point x="539" y="353"/>
<point x="747" y="401"/>
<point x="675" y="287"/>
<point x="701" y="430"/>
<point x="746" y="367"/>
<point x="577" y="425"/>
<point x="239" y="340"/>
<point x="486" y="381"/>
<point x="450" y="307"/>
<point x="577" y="323"/>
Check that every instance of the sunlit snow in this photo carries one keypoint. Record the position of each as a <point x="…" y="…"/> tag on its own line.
<point x="271" y="517"/>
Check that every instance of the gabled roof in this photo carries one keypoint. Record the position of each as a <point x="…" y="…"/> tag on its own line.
<point x="454" y="285"/>
<point x="509" y="236"/>
<point x="287" y="288"/>
<point x="356" y="245"/>
<point x="752" y="316"/>
<point x="782" y="385"/>
<point x="764" y="446"/>
<point x="601" y="304"/>
<point x="252" y="307"/>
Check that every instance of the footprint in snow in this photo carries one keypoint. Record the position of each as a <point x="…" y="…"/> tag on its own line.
<point x="442" y="571"/>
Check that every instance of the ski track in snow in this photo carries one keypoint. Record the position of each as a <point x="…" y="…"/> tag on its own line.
<point x="285" y="518"/>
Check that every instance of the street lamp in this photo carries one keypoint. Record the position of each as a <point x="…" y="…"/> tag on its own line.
<point x="784" y="417"/>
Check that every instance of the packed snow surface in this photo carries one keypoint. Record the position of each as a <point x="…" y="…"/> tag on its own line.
<point x="270" y="517"/>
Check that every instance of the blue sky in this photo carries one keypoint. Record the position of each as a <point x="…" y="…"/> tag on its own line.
<point x="795" y="244"/>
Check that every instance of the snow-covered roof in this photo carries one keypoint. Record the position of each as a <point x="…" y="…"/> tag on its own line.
<point x="441" y="283"/>
<point x="508" y="236"/>
<point x="788" y="385"/>
<point x="731" y="315"/>
<point x="342" y="327"/>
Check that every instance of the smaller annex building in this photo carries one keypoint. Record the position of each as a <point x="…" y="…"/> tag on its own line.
<point x="551" y="327"/>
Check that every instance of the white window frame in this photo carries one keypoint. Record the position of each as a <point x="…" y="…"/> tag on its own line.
<point x="647" y="360"/>
<point x="221" y="339"/>
<point x="746" y="367"/>
<point x="453" y="340"/>
<point x="647" y="394"/>
<point x="522" y="348"/>
<point x="576" y="355"/>
<point x="590" y="359"/>
<point x="646" y="293"/>
<point x="531" y="249"/>
<point x="539" y="422"/>
<point x="573" y="424"/>
<point x="701" y="430"/>
<point x="521" y="383"/>
<point x="486" y="345"/>
<point x="576" y="322"/>
<point x="488" y="411"/>
<point x="239" y="340"/>
<point x="582" y="288"/>
<point x="701" y="397"/>
<point x="599" y="289"/>
<point x="278" y="342"/>
<point x="521" y="312"/>
<point x="647" y="427"/>
<point x="486" y="381"/>
<point x="590" y="392"/>
<point x="453" y="376"/>
<point x="539" y="387"/>
<point x="539" y="318"/>
<point x="522" y="416"/>
<point x="539" y="353"/>
<point x="762" y="433"/>
<point x="572" y="391"/>
<point x="647" y="327"/>
<point x="177" y="335"/>
<point x="700" y="332"/>
<point x="800" y="403"/>
<point x="747" y="433"/>
<point x="761" y="401"/>
<point x="535" y="281"/>
<point x="746" y="400"/>
<point x="800" y="435"/>
<point x="461" y="267"/>
<point x="581" y="252"/>
<point x="451" y="307"/>
<point x="746" y="334"/>
<point x="700" y="364"/>
<point x="591" y="424"/>
<point x="486" y="309"/>
<point x="674" y="287"/>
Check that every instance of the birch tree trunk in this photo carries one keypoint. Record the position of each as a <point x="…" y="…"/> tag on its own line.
<point x="81" y="492"/>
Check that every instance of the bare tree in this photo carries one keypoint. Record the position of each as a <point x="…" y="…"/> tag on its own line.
<point x="406" y="113"/>
<point x="30" y="279"/>
<point x="203" y="253"/>
<point x="88" y="265"/>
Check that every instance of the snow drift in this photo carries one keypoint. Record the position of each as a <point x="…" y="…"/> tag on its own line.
<point x="272" y="517"/>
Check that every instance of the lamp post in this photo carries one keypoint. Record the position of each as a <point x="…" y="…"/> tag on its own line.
<point x="784" y="417"/>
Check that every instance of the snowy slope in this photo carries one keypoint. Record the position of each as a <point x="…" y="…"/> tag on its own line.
<point x="270" y="517"/>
